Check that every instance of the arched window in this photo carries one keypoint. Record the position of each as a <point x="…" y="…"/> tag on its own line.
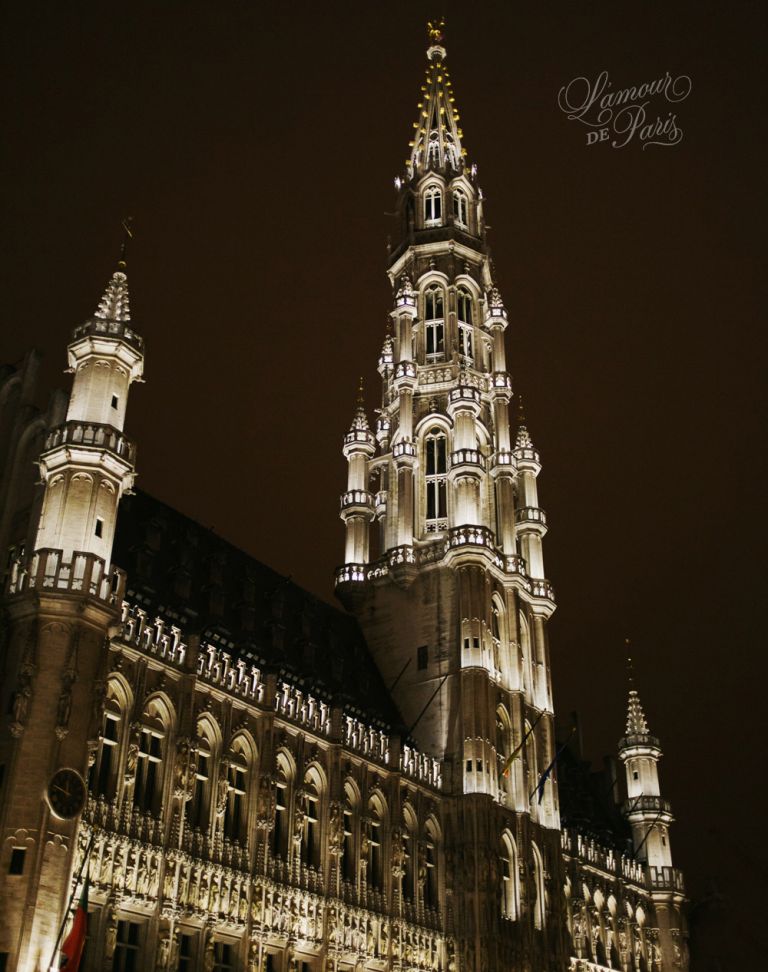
<point x="503" y="747"/>
<point x="460" y="209"/>
<point x="200" y="804"/>
<point x="539" y="902"/>
<point x="236" y="808"/>
<point x="464" y="314"/>
<point x="351" y="805"/>
<point x="282" y="794"/>
<point x="431" y="886"/>
<point x="434" y="323"/>
<point x="409" y="849"/>
<point x="103" y="774"/>
<point x="148" y="785"/>
<point x="498" y="632"/>
<point x="375" y="845"/>
<point x="436" y="450"/>
<point x="433" y="206"/>
<point x="310" y="840"/>
<point x="510" y="889"/>
<point x="526" y="660"/>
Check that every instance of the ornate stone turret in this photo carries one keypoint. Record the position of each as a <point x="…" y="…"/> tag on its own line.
<point x="454" y="607"/>
<point x="650" y="816"/>
<point x="64" y="600"/>
<point x="87" y="462"/>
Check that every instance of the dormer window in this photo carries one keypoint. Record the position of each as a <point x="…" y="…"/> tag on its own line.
<point x="460" y="209"/>
<point x="434" y="323"/>
<point x="433" y="206"/>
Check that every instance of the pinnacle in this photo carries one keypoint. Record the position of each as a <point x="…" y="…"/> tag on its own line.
<point x="114" y="305"/>
<point x="360" y="419"/>
<point x="636" y="722"/>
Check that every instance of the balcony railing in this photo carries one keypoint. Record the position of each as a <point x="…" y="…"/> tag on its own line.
<point x="468" y="457"/>
<point x="656" y="804"/>
<point x="666" y="878"/>
<point x="530" y="514"/>
<point x="84" y="573"/>
<point x="404" y="449"/>
<point x="92" y="435"/>
<point x="113" y="329"/>
<point x="356" y="498"/>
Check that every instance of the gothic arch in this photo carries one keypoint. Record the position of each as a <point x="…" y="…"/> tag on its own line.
<point x="510" y="888"/>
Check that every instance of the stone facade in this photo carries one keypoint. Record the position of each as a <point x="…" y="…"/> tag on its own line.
<point x="276" y="785"/>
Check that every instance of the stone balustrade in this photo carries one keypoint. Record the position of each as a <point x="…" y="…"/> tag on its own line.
<point x="83" y="574"/>
<point x="92" y="435"/>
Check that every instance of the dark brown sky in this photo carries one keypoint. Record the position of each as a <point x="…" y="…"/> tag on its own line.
<point x="256" y="148"/>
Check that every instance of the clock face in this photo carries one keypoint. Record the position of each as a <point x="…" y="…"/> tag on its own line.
<point x="66" y="793"/>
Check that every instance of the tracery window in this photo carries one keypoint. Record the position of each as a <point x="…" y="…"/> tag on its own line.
<point x="460" y="208"/>
<point x="199" y="805"/>
<point x="310" y="842"/>
<point x="434" y="324"/>
<point x="436" y="449"/>
<point x="430" y="862"/>
<point x="280" y="829"/>
<point x="464" y="314"/>
<point x="148" y="785"/>
<point x="234" y="812"/>
<point x="350" y="849"/>
<point x="104" y="771"/>
<point x="433" y="206"/>
<point x="375" y="850"/>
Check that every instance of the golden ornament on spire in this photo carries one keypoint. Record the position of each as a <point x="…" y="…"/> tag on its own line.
<point x="435" y="30"/>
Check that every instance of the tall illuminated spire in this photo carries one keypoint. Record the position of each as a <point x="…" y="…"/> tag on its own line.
<point x="437" y="136"/>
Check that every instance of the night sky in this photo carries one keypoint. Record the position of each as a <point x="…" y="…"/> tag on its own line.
<point x="256" y="148"/>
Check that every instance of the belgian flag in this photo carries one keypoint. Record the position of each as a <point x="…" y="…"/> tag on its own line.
<point x="72" y="949"/>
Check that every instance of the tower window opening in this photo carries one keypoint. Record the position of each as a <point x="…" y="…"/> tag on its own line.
<point x="460" y="208"/>
<point x="433" y="206"/>
<point x="114" y="401"/>
<point x="422" y="657"/>
<point x="16" y="865"/>
<point x="469" y="765"/>
<point x="99" y="528"/>
<point x="635" y="775"/>
<point x="436" y="482"/>
<point x="466" y="320"/>
<point x="434" y="324"/>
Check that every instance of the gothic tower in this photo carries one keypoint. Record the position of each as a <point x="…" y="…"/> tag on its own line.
<point x="63" y="600"/>
<point x="649" y="815"/>
<point x="454" y="603"/>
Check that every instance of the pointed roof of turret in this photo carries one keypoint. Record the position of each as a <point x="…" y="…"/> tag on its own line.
<point x="437" y="136"/>
<point x="360" y="419"/>
<point x="114" y="305"/>
<point x="523" y="437"/>
<point x="637" y="731"/>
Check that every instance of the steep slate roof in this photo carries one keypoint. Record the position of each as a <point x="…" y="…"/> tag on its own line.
<point x="186" y="573"/>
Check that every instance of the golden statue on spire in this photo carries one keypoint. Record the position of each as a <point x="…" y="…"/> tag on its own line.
<point x="435" y="30"/>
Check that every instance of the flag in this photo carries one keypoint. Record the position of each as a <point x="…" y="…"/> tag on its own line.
<point x="72" y="949"/>
<point x="504" y="771"/>
<point x="546" y="774"/>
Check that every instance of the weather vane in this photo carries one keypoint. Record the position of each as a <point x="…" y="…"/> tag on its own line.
<point x="127" y="235"/>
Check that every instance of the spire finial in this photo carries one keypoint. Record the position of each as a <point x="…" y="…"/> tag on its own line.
<point x="360" y="392"/>
<point x="630" y="668"/>
<point x="127" y="235"/>
<point x="520" y="410"/>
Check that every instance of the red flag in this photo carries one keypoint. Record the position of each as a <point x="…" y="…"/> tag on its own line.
<point x="72" y="949"/>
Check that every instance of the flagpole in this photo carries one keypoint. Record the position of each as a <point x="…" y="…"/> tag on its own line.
<point x="71" y="899"/>
<point x="545" y="775"/>
<point x="648" y="831"/>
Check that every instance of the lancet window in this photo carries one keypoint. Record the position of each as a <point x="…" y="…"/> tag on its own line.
<point x="460" y="209"/>
<point x="465" y="317"/>
<point x="510" y="891"/>
<point x="434" y="323"/>
<point x="436" y="449"/>
<point x="433" y="206"/>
